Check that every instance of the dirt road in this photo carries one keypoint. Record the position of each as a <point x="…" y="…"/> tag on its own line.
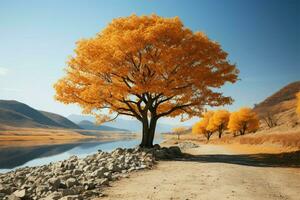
<point x="214" y="173"/>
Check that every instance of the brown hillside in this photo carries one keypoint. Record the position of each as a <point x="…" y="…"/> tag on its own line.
<point x="281" y="105"/>
<point x="287" y="93"/>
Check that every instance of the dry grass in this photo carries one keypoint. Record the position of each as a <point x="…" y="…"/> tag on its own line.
<point x="269" y="141"/>
<point x="285" y="141"/>
<point x="12" y="136"/>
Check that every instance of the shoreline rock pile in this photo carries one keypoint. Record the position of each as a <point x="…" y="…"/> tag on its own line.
<point x="79" y="178"/>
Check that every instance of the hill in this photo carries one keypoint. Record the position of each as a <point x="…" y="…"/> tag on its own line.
<point x="281" y="105"/>
<point x="127" y="124"/>
<point x="17" y="114"/>
<point x="86" y="124"/>
<point x="63" y="121"/>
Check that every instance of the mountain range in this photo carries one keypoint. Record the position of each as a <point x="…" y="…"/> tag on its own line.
<point x="17" y="114"/>
<point x="127" y="124"/>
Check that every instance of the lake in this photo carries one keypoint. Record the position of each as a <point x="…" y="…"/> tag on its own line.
<point x="16" y="157"/>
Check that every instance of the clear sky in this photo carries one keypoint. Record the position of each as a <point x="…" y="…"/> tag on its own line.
<point x="36" y="37"/>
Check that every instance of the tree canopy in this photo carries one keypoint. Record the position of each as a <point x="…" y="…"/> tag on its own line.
<point x="146" y="67"/>
<point x="219" y="121"/>
<point x="202" y="127"/>
<point x="243" y="120"/>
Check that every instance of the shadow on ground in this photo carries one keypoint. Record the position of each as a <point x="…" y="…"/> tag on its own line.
<point x="290" y="159"/>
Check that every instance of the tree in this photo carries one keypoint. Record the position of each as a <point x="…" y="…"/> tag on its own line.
<point x="219" y="121"/>
<point x="243" y="120"/>
<point x="201" y="127"/>
<point x="271" y="119"/>
<point x="298" y="103"/>
<point x="146" y="67"/>
<point x="178" y="131"/>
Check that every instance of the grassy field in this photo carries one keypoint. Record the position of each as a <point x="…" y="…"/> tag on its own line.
<point x="268" y="141"/>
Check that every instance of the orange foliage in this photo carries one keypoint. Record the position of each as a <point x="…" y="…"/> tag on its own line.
<point x="146" y="67"/>
<point x="219" y="121"/>
<point x="243" y="120"/>
<point x="298" y="103"/>
<point x="201" y="127"/>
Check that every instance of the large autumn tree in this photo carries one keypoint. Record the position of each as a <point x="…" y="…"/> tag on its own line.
<point x="146" y="67"/>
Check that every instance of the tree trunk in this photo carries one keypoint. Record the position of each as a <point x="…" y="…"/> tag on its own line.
<point x="220" y="130"/>
<point x="145" y="133"/>
<point x="208" y="134"/>
<point x="220" y="134"/>
<point x="148" y="133"/>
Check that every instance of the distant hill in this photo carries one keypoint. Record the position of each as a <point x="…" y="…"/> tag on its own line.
<point x="281" y="104"/>
<point x="127" y="124"/>
<point x="17" y="114"/>
<point x="86" y="124"/>
<point x="63" y="121"/>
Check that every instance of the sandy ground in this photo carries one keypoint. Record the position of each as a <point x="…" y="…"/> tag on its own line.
<point x="215" y="172"/>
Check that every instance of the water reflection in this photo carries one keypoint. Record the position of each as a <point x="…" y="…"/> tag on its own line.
<point x="15" y="157"/>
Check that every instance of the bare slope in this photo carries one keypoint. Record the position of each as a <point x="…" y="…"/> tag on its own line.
<point x="282" y="105"/>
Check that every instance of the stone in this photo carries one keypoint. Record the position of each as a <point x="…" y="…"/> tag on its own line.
<point x="161" y="154"/>
<point x="54" y="182"/>
<point x="99" y="172"/>
<point x="68" y="191"/>
<point x="53" y="196"/>
<point x="72" y="197"/>
<point x="86" y="168"/>
<point x="13" y="197"/>
<point x="111" y="167"/>
<point x="88" y="185"/>
<point x="7" y="189"/>
<point x="175" y="150"/>
<point x="108" y="175"/>
<point x="20" y="193"/>
<point x="71" y="182"/>
<point x="104" y="181"/>
<point x="77" y="171"/>
<point x="41" y="189"/>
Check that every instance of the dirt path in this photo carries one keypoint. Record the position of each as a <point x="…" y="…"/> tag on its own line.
<point x="214" y="173"/>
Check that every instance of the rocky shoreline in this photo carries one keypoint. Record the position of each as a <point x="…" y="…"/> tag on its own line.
<point x="76" y="178"/>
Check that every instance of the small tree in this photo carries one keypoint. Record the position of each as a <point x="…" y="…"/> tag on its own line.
<point x="242" y="121"/>
<point x="178" y="131"/>
<point x="270" y="119"/>
<point x="219" y="121"/>
<point x="201" y="127"/>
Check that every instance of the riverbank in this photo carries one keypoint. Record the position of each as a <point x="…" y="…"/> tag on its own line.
<point x="79" y="178"/>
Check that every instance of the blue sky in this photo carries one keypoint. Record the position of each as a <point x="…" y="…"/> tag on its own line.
<point x="36" y="37"/>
